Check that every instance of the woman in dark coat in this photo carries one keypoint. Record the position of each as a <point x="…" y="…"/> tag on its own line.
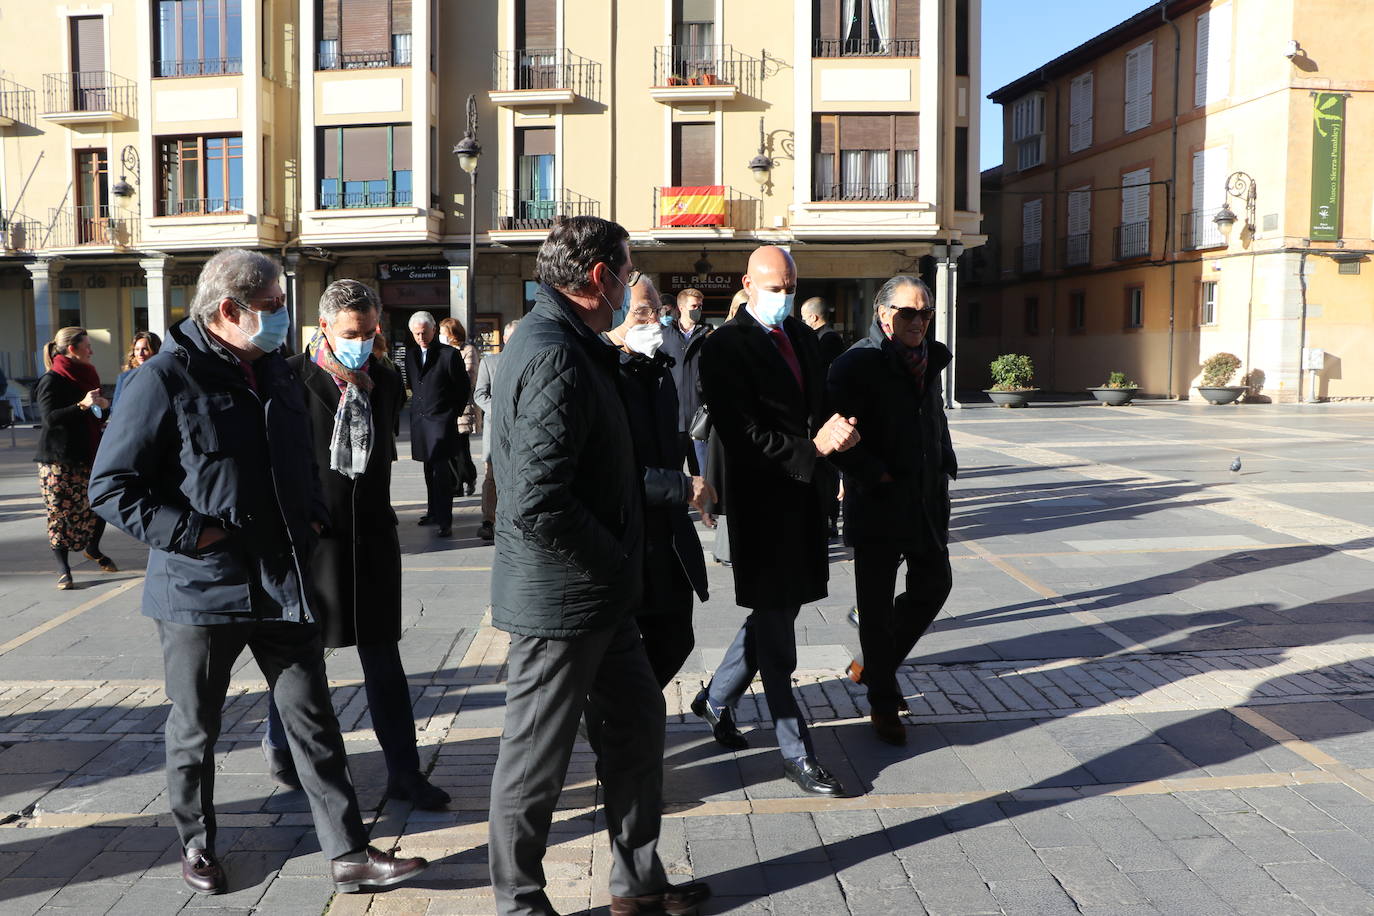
<point x="356" y="569"/>
<point x="143" y="348"/>
<point x="68" y="395"/>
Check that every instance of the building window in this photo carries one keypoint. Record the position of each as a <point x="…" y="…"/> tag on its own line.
<point x="1135" y="306"/>
<point x="1028" y="130"/>
<point x="1030" y="236"/>
<point x="535" y="200"/>
<point x="200" y="175"/>
<point x="1081" y="113"/>
<point x="866" y="28"/>
<point x="1032" y="315"/>
<point x="69" y="308"/>
<point x="1078" y="242"/>
<point x="1209" y="186"/>
<point x="1212" y="64"/>
<point x="361" y="34"/>
<point x="1078" y="310"/>
<point x="365" y="166"/>
<point x="1140" y="75"/>
<point x="199" y="37"/>
<point x="1133" y="235"/>
<point x="1209" y="302"/>
<point x="866" y="157"/>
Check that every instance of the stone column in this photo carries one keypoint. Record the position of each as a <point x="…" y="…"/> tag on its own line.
<point x="292" y="268"/>
<point x="159" y="309"/>
<point x="43" y="271"/>
<point x="458" y="270"/>
<point x="946" y="309"/>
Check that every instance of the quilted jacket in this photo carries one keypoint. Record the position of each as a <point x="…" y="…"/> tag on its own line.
<point x="570" y="500"/>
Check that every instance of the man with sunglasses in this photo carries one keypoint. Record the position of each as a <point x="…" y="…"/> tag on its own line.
<point x="210" y="462"/>
<point x="896" y="488"/>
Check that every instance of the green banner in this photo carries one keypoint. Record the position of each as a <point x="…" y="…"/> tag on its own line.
<point x="1328" y="149"/>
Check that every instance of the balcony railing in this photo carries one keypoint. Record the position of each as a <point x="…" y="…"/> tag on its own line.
<point x="866" y="47"/>
<point x="16" y="102"/>
<point x="516" y="210"/>
<point x="866" y="190"/>
<point x="219" y="66"/>
<point x="706" y="65"/>
<point x="358" y="200"/>
<point x="18" y="233"/>
<point x="200" y="206"/>
<point x="1131" y="240"/>
<point x="1078" y="250"/>
<point x="1028" y="259"/>
<point x="1197" y="230"/>
<point x="88" y="90"/>
<point x="329" y="55"/>
<point x="710" y="207"/>
<point x="104" y="225"/>
<point x="545" y="68"/>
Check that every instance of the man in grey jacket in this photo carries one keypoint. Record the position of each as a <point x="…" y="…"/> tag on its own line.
<point x="565" y="580"/>
<point x="481" y="396"/>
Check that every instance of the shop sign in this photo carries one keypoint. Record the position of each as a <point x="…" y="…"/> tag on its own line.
<point x="412" y="273"/>
<point x="712" y="285"/>
<point x="1328" y="149"/>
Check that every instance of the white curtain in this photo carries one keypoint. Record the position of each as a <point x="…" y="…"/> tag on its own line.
<point x="853" y="173"/>
<point x="879" y="168"/>
<point x="847" y="18"/>
<point x="906" y="174"/>
<point x="825" y="176"/>
<point x="882" y="18"/>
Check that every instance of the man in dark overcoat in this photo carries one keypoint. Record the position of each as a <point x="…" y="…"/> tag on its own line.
<point x="896" y="487"/>
<point x="355" y="402"/>
<point x="762" y="382"/>
<point x="439" y="390"/>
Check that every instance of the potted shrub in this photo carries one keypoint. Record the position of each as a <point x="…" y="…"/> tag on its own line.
<point x="1117" y="391"/>
<point x="1217" y="371"/>
<point x="1011" y="380"/>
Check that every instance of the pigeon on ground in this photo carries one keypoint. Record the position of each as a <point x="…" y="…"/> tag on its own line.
<point x="1235" y="465"/>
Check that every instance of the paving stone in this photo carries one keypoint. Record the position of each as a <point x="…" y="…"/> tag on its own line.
<point x="1089" y="878"/>
<point x="1043" y="897"/>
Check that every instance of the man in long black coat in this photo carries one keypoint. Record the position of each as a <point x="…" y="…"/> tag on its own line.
<point x="896" y="487"/>
<point x="762" y="381"/>
<point x="357" y="563"/>
<point x="439" y="390"/>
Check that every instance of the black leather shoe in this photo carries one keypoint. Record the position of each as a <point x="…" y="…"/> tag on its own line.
<point x="888" y="727"/>
<point x="682" y="900"/>
<point x="280" y="766"/>
<point x="722" y="723"/>
<point x="446" y="531"/>
<point x="201" y="872"/>
<point x="486" y="531"/>
<point x="811" y="777"/>
<point x="425" y="520"/>
<point x="380" y="870"/>
<point x="419" y="791"/>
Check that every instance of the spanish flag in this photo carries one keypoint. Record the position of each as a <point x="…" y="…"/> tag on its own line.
<point x="704" y="206"/>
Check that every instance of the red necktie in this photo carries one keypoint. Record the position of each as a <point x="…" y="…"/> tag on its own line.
<point x="788" y="354"/>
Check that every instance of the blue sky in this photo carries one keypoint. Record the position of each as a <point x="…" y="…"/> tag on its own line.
<point x="1019" y="36"/>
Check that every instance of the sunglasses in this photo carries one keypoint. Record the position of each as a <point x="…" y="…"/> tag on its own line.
<point x="912" y="314"/>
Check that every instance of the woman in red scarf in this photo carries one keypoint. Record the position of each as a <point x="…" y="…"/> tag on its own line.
<point x="69" y="396"/>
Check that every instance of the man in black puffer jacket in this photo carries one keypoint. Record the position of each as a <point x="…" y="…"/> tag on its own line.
<point x="566" y="578"/>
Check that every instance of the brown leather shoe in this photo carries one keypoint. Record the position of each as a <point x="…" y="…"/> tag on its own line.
<point x="380" y="870"/>
<point x="682" y="900"/>
<point x="855" y="672"/>
<point x="888" y="727"/>
<point x="201" y="872"/>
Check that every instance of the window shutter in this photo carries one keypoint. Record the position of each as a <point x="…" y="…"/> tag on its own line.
<point x="1199" y="179"/>
<point x="865" y="132"/>
<point x="329" y="20"/>
<point x="1081" y="113"/>
<point x="535" y="141"/>
<point x="365" y="27"/>
<point x="1204" y="22"/>
<point x="906" y="20"/>
<point x="1209" y="176"/>
<point x="1139" y="87"/>
<point x="694" y="155"/>
<point x="908" y="131"/>
<point x="827" y="24"/>
<point x="329" y="140"/>
<point x="364" y="153"/>
<point x="88" y="45"/>
<point x="827" y="128"/>
<point x="540" y="21"/>
<point x="1219" y="53"/>
<point x="1030" y="222"/>
<point x="1080" y="211"/>
<point x="400" y="17"/>
<point x="1135" y="201"/>
<point x="400" y="148"/>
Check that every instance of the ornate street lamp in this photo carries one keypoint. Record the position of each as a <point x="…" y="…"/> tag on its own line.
<point x="468" y="151"/>
<point x="1239" y="185"/>
<point x="761" y="166"/>
<point x="129" y="159"/>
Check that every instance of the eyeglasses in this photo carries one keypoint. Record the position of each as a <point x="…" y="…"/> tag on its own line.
<point x="911" y="314"/>
<point x="273" y="305"/>
<point x="643" y="312"/>
<point x="635" y="277"/>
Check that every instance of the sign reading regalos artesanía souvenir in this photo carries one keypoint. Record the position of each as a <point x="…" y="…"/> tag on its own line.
<point x="1328" y="149"/>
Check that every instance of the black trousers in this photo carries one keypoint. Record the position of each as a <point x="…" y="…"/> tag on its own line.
<point x="668" y="637"/>
<point x="388" y="703"/>
<point x="550" y="683"/>
<point x="440" y="484"/>
<point x="464" y="471"/>
<point x="198" y="661"/>
<point x="889" y="627"/>
<point x="766" y="645"/>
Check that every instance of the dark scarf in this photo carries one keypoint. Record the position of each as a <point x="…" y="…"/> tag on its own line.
<point x="914" y="358"/>
<point x="350" y="445"/>
<point x="84" y="377"/>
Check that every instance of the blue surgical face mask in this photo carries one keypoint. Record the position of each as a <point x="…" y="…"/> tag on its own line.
<point x="352" y="354"/>
<point x="618" y="312"/>
<point x="771" y="307"/>
<point x="272" y="329"/>
<point x="666" y="321"/>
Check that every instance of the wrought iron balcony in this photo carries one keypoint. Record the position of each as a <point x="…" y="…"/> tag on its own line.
<point x="88" y="95"/>
<point x="1029" y="259"/>
<point x="1131" y="240"/>
<point x="1197" y="230"/>
<point x="16" y="103"/>
<point x="707" y="67"/>
<point x="219" y="66"/>
<point x="866" y="47"/>
<point x="525" y="210"/>
<point x="867" y="190"/>
<point x="1078" y="250"/>
<point x="544" y="69"/>
<point x="18" y="233"/>
<point x="200" y="206"/>
<point x="361" y="200"/>
<point x="72" y="227"/>
<point x="330" y="56"/>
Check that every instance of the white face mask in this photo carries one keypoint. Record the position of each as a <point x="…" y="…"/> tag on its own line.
<point x="772" y="306"/>
<point x="644" y="339"/>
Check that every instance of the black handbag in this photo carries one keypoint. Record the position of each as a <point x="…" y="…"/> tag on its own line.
<point x="700" y="427"/>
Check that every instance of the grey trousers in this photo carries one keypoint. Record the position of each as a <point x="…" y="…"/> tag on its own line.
<point x="766" y="645"/>
<point x="550" y="684"/>
<point x="198" y="661"/>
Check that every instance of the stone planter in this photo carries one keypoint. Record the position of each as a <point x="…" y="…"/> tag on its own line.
<point x="1223" y="394"/>
<point x="1114" y="397"/>
<point x="1018" y="398"/>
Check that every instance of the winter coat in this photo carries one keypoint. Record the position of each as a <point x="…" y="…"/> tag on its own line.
<point x="438" y="393"/>
<point x="831" y="344"/>
<point x="357" y="564"/>
<point x="764" y="461"/>
<point x="193" y="444"/>
<point x="685" y="349"/>
<point x="904" y="435"/>
<point x="481" y="396"/>
<point x="65" y="437"/>
<point x="673" y="560"/>
<point x="468" y="421"/>
<point x="570" y="505"/>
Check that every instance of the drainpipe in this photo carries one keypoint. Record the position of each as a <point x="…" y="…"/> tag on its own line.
<point x="1171" y="195"/>
<point x="1054" y="235"/>
<point x="1302" y="333"/>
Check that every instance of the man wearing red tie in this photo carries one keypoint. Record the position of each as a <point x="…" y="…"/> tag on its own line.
<point x="763" y="382"/>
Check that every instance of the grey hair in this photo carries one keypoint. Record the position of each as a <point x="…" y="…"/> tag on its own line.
<point x="422" y="318"/>
<point x="883" y="300"/>
<point x="347" y="296"/>
<point x="233" y="273"/>
<point x="654" y="297"/>
<point x="815" y="306"/>
<point x="509" y="329"/>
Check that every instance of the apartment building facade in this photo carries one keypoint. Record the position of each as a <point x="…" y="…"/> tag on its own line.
<point x="1105" y="249"/>
<point x="139" y="136"/>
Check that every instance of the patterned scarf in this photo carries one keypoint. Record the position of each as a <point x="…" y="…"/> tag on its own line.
<point x="914" y="358"/>
<point x="350" y="445"/>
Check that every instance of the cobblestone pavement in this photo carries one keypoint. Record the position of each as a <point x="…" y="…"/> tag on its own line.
<point x="1152" y="691"/>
